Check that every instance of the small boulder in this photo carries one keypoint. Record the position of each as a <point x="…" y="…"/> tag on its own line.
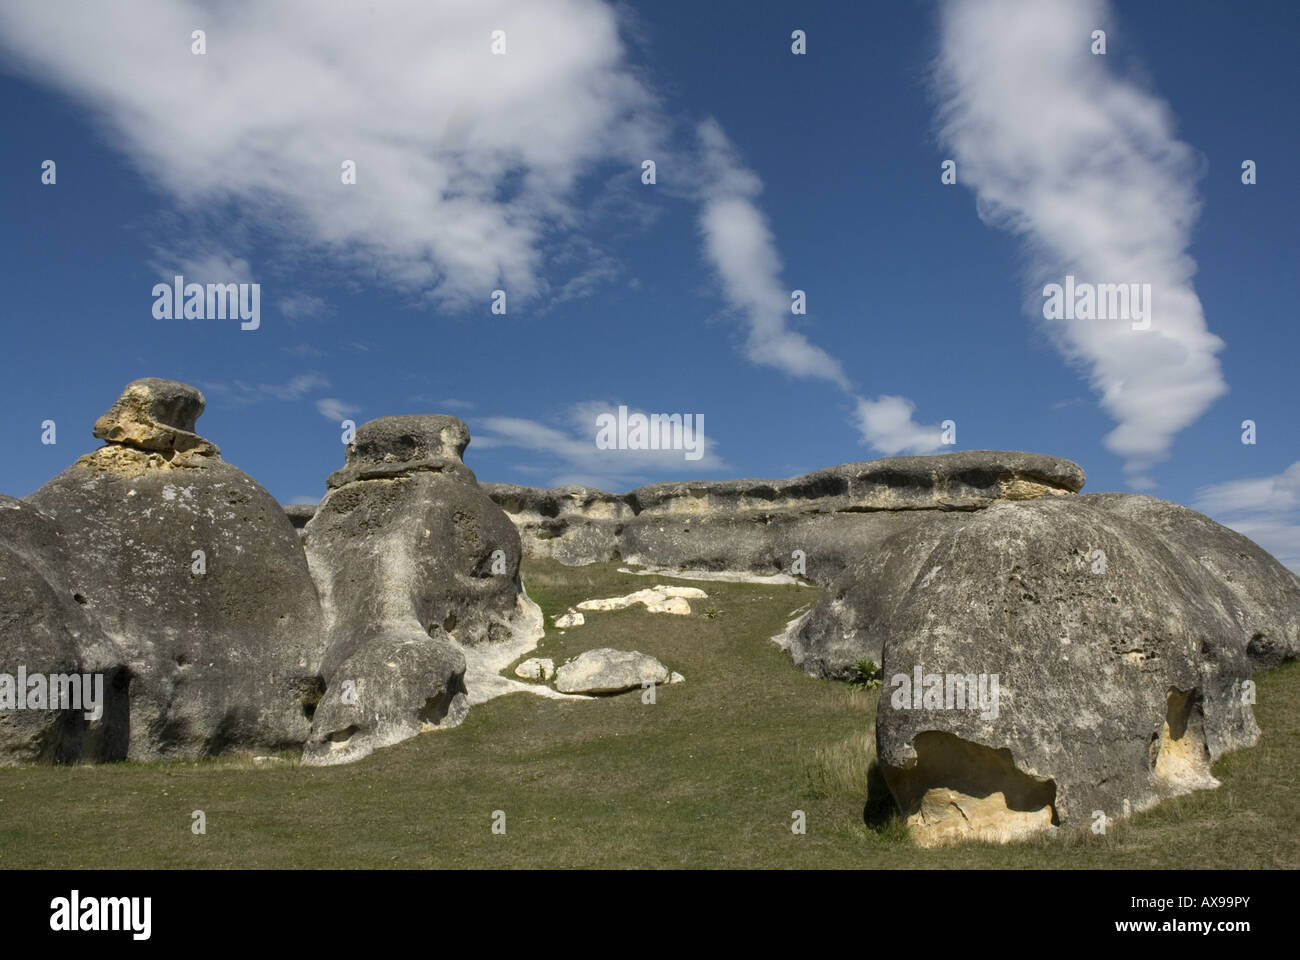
<point x="609" y="671"/>
<point x="536" y="668"/>
<point x="157" y="415"/>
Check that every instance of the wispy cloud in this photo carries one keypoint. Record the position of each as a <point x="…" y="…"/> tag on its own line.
<point x="200" y="263"/>
<point x="303" y="306"/>
<point x="239" y="392"/>
<point x="1085" y="167"/>
<point x="1265" y="509"/>
<point x="739" y="244"/>
<point x="568" y="454"/>
<point x="336" y="410"/>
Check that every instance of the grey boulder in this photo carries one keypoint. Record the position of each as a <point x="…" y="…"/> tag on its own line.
<point x="193" y="576"/>
<point x="1042" y="663"/>
<point x="417" y="568"/>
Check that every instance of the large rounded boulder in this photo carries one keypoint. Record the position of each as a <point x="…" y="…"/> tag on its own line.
<point x="1043" y="664"/>
<point x="416" y="566"/>
<point x="195" y="576"/>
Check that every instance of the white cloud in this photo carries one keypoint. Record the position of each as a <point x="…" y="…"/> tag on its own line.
<point x="1265" y="509"/>
<point x="1085" y="167"/>
<point x="740" y="246"/>
<point x="465" y="160"/>
<point x="303" y="306"/>
<point x="336" y="410"/>
<point x="242" y="392"/>
<point x="201" y="263"/>
<point x="887" y="424"/>
<point x="577" y="460"/>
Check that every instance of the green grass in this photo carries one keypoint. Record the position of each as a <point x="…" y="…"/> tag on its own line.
<point x="708" y="776"/>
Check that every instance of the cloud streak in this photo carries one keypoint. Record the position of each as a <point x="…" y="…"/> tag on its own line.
<point x="1265" y="509"/>
<point x="1085" y="168"/>
<point x="739" y="244"/>
<point x="575" y="458"/>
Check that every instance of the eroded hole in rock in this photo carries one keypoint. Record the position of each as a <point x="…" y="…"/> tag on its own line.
<point x="449" y="623"/>
<point x="310" y="692"/>
<point x="1182" y="757"/>
<point x="959" y="790"/>
<point x="1259" y="645"/>
<point x="436" y="708"/>
<point x="340" y="737"/>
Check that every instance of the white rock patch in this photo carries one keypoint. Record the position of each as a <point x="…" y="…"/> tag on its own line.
<point x="719" y="576"/>
<point x="571" y="619"/>
<point x="659" y="599"/>
<point x="536" y="668"/>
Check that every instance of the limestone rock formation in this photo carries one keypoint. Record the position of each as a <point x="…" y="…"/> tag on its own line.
<point x="660" y="599"/>
<point x="416" y="566"/>
<point x="395" y="682"/>
<point x="158" y="415"/>
<point x="193" y="576"/>
<point x="300" y="514"/>
<point x="1267" y="594"/>
<point x="44" y="630"/>
<point x="1040" y="661"/>
<point x="829" y="518"/>
<point x="536" y="668"/>
<point x="606" y="671"/>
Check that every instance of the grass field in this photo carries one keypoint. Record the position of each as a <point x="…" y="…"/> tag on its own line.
<point x="707" y="776"/>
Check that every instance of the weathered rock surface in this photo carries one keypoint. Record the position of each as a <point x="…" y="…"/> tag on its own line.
<point x="1120" y="663"/>
<point x="158" y="415"/>
<point x="395" y="682"/>
<point x="832" y="516"/>
<point x="536" y="668"/>
<point x="300" y="514"/>
<point x="194" y="577"/>
<point x="606" y="671"/>
<point x="44" y="630"/>
<point x="416" y="566"/>
<point x="1267" y="594"/>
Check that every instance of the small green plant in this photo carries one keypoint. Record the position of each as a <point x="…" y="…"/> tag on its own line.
<point x="866" y="674"/>
<point x="712" y="614"/>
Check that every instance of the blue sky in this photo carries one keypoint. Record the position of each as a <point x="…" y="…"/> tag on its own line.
<point x="774" y="172"/>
